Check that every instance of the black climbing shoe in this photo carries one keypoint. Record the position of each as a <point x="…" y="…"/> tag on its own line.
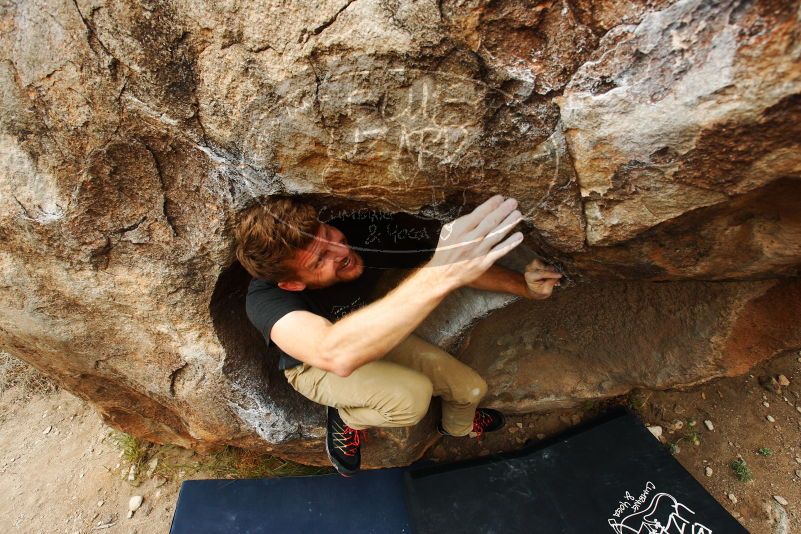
<point x="343" y="444"/>
<point x="485" y="420"/>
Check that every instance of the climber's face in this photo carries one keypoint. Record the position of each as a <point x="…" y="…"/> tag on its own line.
<point x="325" y="261"/>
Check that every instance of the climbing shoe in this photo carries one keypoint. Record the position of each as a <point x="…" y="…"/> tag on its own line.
<point x="485" y="420"/>
<point x="343" y="444"/>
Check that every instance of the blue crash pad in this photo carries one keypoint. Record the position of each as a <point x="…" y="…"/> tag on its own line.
<point x="371" y="502"/>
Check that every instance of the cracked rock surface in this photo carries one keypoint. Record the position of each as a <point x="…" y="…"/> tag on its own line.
<point x="646" y="141"/>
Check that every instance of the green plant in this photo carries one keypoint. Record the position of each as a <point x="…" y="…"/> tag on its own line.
<point x="227" y="462"/>
<point x="134" y="450"/>
<point x="694" y="437"/>
<point x="764" y="451"/>
<point x="741" y="470"/>
<point x="231" y="462"/>
<point x="672" y="447"/>
<point x="637" y="399"/>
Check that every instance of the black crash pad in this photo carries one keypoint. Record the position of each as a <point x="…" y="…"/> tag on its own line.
<point x="612" y="477"/>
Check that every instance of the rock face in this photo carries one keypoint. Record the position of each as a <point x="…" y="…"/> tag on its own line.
<point x="646" y="141"/>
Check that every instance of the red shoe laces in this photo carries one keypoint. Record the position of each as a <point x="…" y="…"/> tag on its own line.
<point x="352" y="440"/>
<point x="480" y="422"/>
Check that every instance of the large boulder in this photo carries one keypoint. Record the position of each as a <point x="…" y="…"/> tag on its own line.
<point x="653" y="146"/>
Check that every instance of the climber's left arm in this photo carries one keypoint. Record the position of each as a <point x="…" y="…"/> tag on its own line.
<point x="536" y="284"/>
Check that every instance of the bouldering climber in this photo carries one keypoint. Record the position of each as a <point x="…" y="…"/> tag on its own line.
<point x="361" y="359"/>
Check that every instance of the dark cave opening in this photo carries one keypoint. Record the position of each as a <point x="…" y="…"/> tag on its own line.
<point x="260" y="392"/>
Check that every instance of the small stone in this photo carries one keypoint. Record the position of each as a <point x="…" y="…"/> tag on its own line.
<point x="770" y="418"/>
<point x="159" y="481"/>
<point x="132" y="473"/>
<point x="783" y="380"/>
<point x="732" y="498"/>
<point x="766" y="404"/>
<point x="677" y="425"/>
<point x="798" y="459"/>
<point x="519" y="425"/>
<point x="708" y="471"/>
<point x="100" y="503"/>
<point x="656" y="430"/>
<point x="47" y="430"/>
<point x="798" y="409"/>
<point x="135" y="502"/>
<point x="709" y="425"/>
<point x="770" y="384"/>
<point x="540" y="436"/>
<point x="798" y="473"/>
<point x="151" y="467"/>
<point x="130" y="514"/>
<point x="779" y="499"/>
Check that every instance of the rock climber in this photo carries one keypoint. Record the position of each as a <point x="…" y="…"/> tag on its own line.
<point x="361" y="359"/>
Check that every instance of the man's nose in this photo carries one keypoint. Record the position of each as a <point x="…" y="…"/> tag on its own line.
<point x="340" y="251"/>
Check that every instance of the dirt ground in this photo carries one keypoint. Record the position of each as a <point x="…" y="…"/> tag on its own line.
<point x="61" y="472"/>
<point x="64" y="471"/>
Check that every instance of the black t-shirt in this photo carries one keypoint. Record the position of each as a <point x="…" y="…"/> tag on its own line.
<point x="378" y="242"/>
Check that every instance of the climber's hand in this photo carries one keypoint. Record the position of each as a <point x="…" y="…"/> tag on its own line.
<point x="540" y="279"/>
<point x="469" y="245"/>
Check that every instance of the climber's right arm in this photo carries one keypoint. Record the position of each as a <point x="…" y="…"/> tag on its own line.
<point x="364" y="335"/>
<point x="467" y="247"/>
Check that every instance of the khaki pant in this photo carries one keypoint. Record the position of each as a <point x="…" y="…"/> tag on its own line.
<point x="396" y="390"/>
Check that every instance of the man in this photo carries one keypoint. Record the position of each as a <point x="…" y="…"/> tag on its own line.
<point x="365" y="363"/>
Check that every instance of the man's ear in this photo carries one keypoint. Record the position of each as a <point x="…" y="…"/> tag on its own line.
<point x="292" y="286"/>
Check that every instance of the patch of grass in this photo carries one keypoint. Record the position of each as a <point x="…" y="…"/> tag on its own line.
<point x="15" y="372"/>
<point x="637" y="399"/>
<point x="228" y="462"/>
<point x="764" y="451"/>
<point x="134" y="450"/>
<point x="694" y="437"/>
<point x="741" y="470"/>
<point x="231" y="462"/>
<point x="672" y="447"/>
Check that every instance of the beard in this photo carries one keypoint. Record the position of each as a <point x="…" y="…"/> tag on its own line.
<point x="354" y="268"/>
